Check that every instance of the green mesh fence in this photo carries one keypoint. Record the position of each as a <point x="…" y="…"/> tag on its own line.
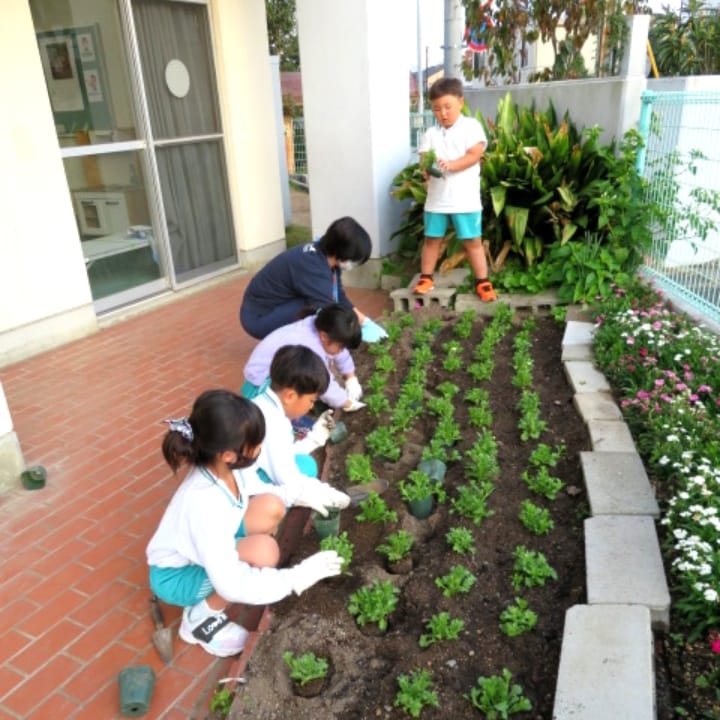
<point x="681" y="164"/>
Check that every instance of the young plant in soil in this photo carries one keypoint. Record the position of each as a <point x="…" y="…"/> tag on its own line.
<point x="545" y="455"/>
<point x="531" y="568"/>
<point x="441" y="626"/>
<point x="377" y="403"/>
<point x="306" y="667"/>
<point x="535" y="518"/>
<point x="518" y="618"/>
<point x="374" y="603"/>
<point x="397" y="545"/>
<point x="382" y="443"/>
<point x="453" y="360"/>
<point x="416" y="691"/>
<point x="461" y="541"/>
<point x="342" y="545"/>
<point x="497" y="698"/>
<point x="542" y="483"/>
<point x="531" y="426"/>
<point x="418" y="486"/>
<point x="464" y="326"/>
<point x="374" y="509"/>
<point x="471" y="502"/>
<point x="482" y="464"/>
<point x="458" y="580"/>
<point x="359" y="469"/>
<point x="376" y="383"/>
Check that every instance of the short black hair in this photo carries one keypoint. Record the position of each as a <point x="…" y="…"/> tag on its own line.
<point x="346" y="239"/>
<point x="446" y="86"/>
<point x="298" y="368"/>
<point x="340" y="324"/>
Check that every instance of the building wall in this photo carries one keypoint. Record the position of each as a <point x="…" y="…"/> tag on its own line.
<point x="45" y="297"/>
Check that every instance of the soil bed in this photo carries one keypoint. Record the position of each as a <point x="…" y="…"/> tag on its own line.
<point x="363" y="683"/>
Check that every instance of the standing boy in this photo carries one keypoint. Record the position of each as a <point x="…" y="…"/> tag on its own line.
<point x="459" y="143"/>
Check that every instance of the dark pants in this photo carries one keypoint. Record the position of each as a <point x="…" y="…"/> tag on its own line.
<point x="262" y="323"/>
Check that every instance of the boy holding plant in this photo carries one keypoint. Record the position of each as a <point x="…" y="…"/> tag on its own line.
<point x="458" y="144"/>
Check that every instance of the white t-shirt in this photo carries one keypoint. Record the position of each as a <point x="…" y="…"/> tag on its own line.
<point x="455" y="192"/>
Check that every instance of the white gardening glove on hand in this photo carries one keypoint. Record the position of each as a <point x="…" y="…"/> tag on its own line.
<point x="352" y="388"/>
<point x="320" y="496"/>
<point x="324" y="564"/>
<point x="319" y="433"/>
<point x="354" y="405"/>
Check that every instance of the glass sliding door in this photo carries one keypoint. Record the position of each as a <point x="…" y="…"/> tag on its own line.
<point x="83" y="54"/>
<point x="178" y="75"/>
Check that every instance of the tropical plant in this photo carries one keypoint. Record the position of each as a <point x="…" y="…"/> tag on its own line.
<point x="441" y="626"/>
<point x="518" y="618"/>
<point x="374" y="603"/>
<point x="306" y="667"/>
<point x="458" y="580"/>
<point x="397" y="545"/>
<point x="374" y="509"/>
<point x="415" y="692"/>
<point x="497" y="697"/>
<point x="686" y="42"/>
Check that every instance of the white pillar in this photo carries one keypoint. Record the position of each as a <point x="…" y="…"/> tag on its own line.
<point x="280" y="133"/>
<point x="635" y="61"/>
<point x="356" y="87"/>
<point x="454" y="32"/>
<point x="11" y="458"/>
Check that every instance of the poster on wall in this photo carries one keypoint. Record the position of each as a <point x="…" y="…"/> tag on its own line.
<point x="86" y="47"/>
<point x="61" y="73"/>
<point x="92" y="86"/>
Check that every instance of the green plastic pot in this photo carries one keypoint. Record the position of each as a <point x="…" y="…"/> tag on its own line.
<point x="421" y="508"/>
<point x="434" y="469"/>
<point x="136" y="687"/>
<point x="33" y="478"/>
<point x="339" y="432"/>
<point x="326" y="526"/>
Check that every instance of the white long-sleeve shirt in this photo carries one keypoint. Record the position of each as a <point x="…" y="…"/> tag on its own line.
<point x="199" y="526"/>
<point x="277" y="453"/>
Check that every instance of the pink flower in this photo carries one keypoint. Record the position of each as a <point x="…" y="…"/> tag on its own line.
<point x="643" y="394"/>
<point x="659" y="382"/>
<point x="715" y="642"/>
<point x="630" y="340"/>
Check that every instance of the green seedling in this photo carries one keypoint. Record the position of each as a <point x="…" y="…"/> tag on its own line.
<point x="221" y="701"/>
<point x="384" y="363"/>
<point x="531" y="569"/>
<point x="458" y="580"/>
<point x="376" y="383"/>
<point x="545" y="455"/>
<point x="427" y="163"/>
<point x="306" y="667"/>
<point x="517" y="619"/>
<point x="535" y="518"/>
<point x="441" y="627"/>
<point x="382" y="443"/>
<point x="359" y="469"/>
<point x="543" y="483"/>
<point x="374" y="509"/>
<point x="471" y="502"/>
<point x="374" y="603"/>
<point x="342" y="545"/>
<point x="397" y="545"/>
<point x="418" y="485"/>
<point x="461" y="541"/>
<point x="377" y="403"/>
<point x="453" y="356"/>
<point x="497" y="698"/>
<point x="447" y="389"/>
<point x="416" y="691"/>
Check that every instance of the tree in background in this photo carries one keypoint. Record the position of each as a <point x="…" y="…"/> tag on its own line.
<point x="508" y="26"/>
<point x="282" y="33"/>
<point x="687" y="43"/>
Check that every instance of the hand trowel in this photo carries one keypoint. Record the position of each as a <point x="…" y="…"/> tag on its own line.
<point x="358" y="493"/>
<point x="162" y="636"/>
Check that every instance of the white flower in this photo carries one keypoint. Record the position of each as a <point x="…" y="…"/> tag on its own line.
<point x="680" y="534"/>
<point x="711" y="595"/>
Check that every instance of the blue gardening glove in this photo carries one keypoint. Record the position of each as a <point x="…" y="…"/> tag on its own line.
<point x="372" y="332"/>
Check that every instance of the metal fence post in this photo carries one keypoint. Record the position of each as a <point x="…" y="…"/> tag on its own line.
<point x="647" y="99"/>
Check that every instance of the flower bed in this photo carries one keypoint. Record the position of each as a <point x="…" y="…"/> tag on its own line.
<point x="495" y="407"/>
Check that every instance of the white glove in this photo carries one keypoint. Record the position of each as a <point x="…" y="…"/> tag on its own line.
<point x="354" y="405"/>
<point x="352" y="388"/>
<point x="323" y="564"/>
<point x="319" y="433"/>
<point x="320" y="496"/>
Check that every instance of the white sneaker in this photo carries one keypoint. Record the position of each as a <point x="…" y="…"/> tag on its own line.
<point x="212" y="630"/>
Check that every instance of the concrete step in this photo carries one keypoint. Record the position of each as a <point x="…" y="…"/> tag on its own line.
<point x="577" y="340"/>
<point x="584" y="377"/>
<point x="596" y="406"/>
<point x="610" y="436"/>
<point x="617" y="484"/>
<point x="624" y="565"/>
<point x="606" y="665"/>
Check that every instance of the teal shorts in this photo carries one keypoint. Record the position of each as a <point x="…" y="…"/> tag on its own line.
<point x="468" y="226"/>
<point x="187" y="585"/>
